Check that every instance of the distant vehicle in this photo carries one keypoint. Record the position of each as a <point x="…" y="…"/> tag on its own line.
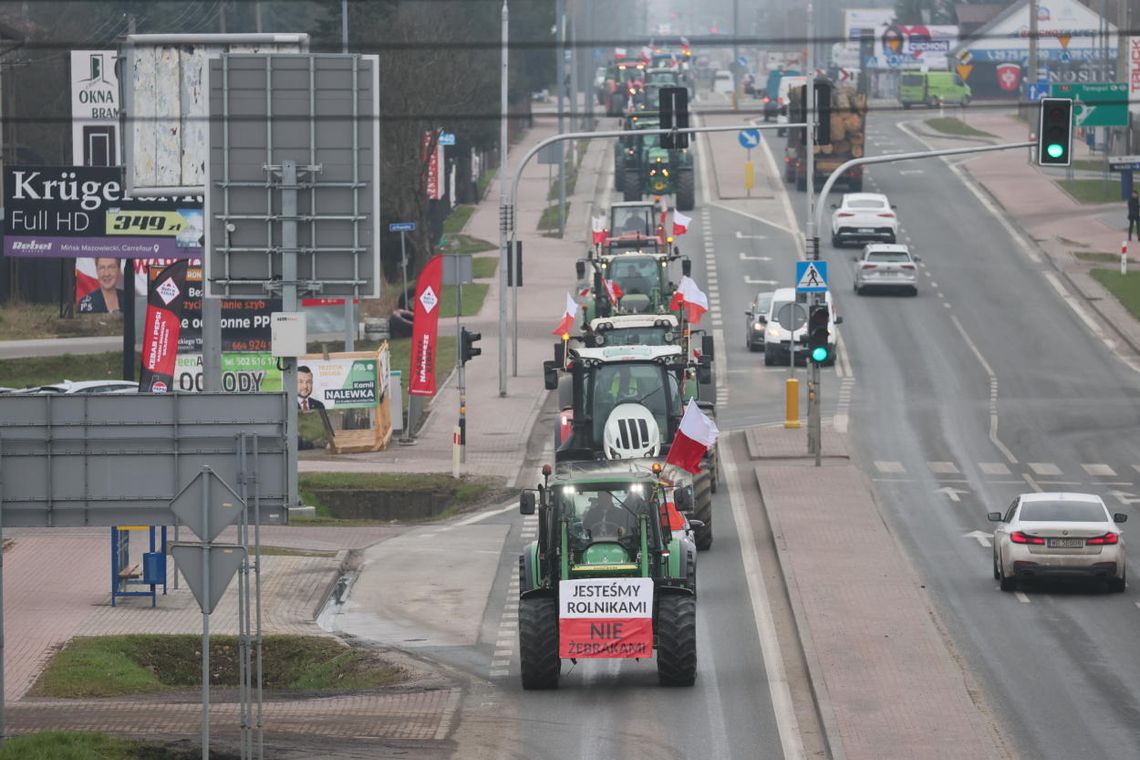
<point x="848" y="141"/>
<point x="86" y="386"/>
<point x="863" y="217"/>
<point x="778" y="339"/>
<point x="930" y="87"/>
<point x="771" y="94"/>
<point x="886" y="266"/>
<point x="1058" y="535"/>
<point x="722" y="82"/>
<point x="756" y="320"/>
<point x="783" y="96"/>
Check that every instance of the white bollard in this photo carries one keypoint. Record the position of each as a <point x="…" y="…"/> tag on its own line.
<point x="455" y="451"/>
<point x="1124" y="258"/>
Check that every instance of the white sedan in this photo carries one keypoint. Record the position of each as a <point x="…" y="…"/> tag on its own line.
<point x="863" y="217"/>
<point x="1058" y="535"/>
<point x="886" y="266"/>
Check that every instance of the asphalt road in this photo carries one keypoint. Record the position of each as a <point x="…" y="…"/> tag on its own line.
<point x="986" y="385"/>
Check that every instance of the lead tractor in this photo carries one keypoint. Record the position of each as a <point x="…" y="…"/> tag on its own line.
<point x="607" y="577"/>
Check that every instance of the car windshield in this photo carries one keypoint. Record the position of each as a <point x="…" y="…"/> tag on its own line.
<point x="865" y="203"/>
<point x="912" y="80"/>
<point x="776" y="308"/>
<point x="635" y="274"/>
<point x="627" y="220"/>
<point x="762" y="302"/>
<point x="637" y="336"/>
<point x="628" y="382"/>
<point x="888" y="256"/>
<point x="1062" y="511"/>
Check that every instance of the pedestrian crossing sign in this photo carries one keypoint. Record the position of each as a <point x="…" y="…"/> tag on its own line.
<point x="811" y="276"/>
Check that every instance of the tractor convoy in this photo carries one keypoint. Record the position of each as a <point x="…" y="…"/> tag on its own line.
<point x="612" y="572"/>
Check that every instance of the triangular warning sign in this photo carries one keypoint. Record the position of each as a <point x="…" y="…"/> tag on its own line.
<point x="964" y="70"/>
<point x="811" y="278"/>
<point x="1064" y="40"/>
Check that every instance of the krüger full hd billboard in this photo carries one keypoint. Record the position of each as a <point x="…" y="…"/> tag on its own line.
<point x="81" y="212"/>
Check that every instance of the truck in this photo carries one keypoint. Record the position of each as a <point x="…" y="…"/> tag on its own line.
<point x="848" y="139"/>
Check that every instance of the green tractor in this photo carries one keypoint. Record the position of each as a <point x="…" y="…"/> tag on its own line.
<point x="628" y="152"/>
<point x="629" y="274"/>
<point x="661" y="172"/>
<point x="606" y="577"/>
<point x="622" y="402"/>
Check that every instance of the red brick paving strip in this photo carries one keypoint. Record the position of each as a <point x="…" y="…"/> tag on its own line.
<point x="884" y="669"/>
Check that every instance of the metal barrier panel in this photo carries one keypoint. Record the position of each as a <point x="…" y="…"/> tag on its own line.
<point x="102" y="460"/>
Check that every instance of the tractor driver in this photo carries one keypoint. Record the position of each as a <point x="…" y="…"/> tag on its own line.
<point x="604" y="518"/>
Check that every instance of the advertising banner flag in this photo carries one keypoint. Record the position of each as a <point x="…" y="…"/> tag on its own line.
<point x="163" y="322"/>
<point x="605" y="618"/>
<point x="425" y="329"/>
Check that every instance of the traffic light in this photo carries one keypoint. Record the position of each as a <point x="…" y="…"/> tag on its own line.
<point x="673" y="108"/>
<point x="823" y="112"/>
<point x="467" y="347"/>
<point x="1055" y="132"/>
<point x="819" y="344"/>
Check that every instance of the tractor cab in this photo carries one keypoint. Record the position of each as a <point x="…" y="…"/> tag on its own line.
<point x="633" y="330"/>
<point x="636" y="217"/>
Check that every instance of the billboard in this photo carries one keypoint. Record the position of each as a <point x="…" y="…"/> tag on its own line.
<point x="94" y="108"/>
<point x="82" y="212"/>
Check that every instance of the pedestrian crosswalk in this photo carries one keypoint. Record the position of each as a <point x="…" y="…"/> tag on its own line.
<point x="1089" y="471"/>
<point x="507" y="638"/>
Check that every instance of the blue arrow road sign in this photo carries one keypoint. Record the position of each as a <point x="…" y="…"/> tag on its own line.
<point x="402" y="227"/>
<point x="749" y="138"/>
<point x="1038" y="90"/>
<point x="742" y="61"/>
<point x="811" y="276"/>
<point x="447" y="138"/>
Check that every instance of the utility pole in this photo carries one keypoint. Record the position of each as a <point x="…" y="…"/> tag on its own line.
<point x="1033" y="75"/>
<point x="344" y="27"/>
<point x="812" y="235"/>
<point x="574" y="124"/>
<point x="735" y="52"/>
<point x="504" y="209"/>
<point x="560" y="69"/>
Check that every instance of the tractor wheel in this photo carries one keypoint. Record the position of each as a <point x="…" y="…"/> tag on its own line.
<point x="538" y="643"/>
<point x="631" y="185"/>
<point x="676" y="640"/>
<point x="801" y="181"/>
<point x="702" y="509"/>
<point x="686" y="190"/>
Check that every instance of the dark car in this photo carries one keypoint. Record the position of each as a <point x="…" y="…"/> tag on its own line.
<point x="756" y="320"/>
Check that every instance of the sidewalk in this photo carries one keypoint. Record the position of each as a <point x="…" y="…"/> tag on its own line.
<point x="868" y="633"/>
<point x="1049" y="218"/>
<point x="498" y="427"/>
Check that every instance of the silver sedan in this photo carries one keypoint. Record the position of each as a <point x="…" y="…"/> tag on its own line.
<point x="1058" y="535"/>
<point x="886" y="266"/>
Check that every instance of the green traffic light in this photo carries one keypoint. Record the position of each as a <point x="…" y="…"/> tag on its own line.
<point x="819" y="354"/>
<point x="1055" y="150"/>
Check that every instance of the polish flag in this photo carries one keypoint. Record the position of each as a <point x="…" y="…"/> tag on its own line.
<point x="599" y="227"/>
<point x="695" y="436"/>
<point x="619" y="52"/>
<point x="696" y="303"/>
<point x="664" y="209"/>
<point x="680" y="223"/>
<point x="613" y="290"/>
<point x="567" y="317"/>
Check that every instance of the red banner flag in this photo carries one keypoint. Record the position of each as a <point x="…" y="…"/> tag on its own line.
<point x="425" y="328"/>
<point x="163" y="323"/>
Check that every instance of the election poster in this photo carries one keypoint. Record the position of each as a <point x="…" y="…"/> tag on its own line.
<point x="605" y="618"/>
<point x="338" y="383"/>
<point x="163" y="323"/>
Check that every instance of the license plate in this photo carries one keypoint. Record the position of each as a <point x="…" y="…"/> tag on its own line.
<point x="1066" y="543"/>
<point x="866" y="229"/>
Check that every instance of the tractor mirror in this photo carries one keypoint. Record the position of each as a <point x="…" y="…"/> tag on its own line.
<point x="707" y="348"/>
<point x="580" y="269"/>
<point x="550" y="375"/>
<point x="696" y="524"/>
<point x="839" y="320"/>
<point x="704" y="375"/>
<point x="526" y="503"/>
<point x="686" y="266"/>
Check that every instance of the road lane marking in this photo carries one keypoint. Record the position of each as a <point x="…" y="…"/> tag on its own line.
<point x="489" y="513"/>
<point x="1099" y="470"/>
<point x="889" y="467"/>
<point x="993" y="468"/>
<point x="1032" y="483"/>
<point x="786" y="724"/>
<point x="1044" y="468"/>
<point x="943" y="468"/>
<point x="1021" y="597"/>
<point x="993" y="390"/>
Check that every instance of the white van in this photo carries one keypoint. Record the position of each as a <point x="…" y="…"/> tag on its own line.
<point x="786" y="84"/>
<point x="722" y="82"/>
<point x="778" y="339"/>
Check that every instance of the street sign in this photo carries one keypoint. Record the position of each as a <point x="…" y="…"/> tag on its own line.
<point x="792" y="316"/>
<point x="1095" y="104"/>
<point x="402" y="227"/>
<point x="1065" y="56"/>
<point x="1038" y="90"/>
<point x="964" y="70"/>
<point x="206" y="505"/>
<point x="742" y="61"/>
<point x="811" y="276"/>
<point x="447" y="138"/>
<point x="749" y="138"/>
<point x="1123" y="163"/>
<point x="224" y="560"/>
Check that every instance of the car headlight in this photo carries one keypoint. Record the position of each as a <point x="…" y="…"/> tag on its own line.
<point x="758" y="327"/>
<point x="773" y="332"/>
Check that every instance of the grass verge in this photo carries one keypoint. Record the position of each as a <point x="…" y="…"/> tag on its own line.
<point x="80" y="745"/>
<point x="1092" y="190"/>
<point x="457" y="219"/>
<point x="37" y="320"/>
<point x="1100" y="258"/>
<point x="948" y="125"/>
<point x="484" y="182"/>
<point x="108" y="666"/>
<point x="549" y="219"/>
<point x="466" y="244"/>
<point x="1125" y="287"/>
<point x="1089" y="164"/>
<point x="43" y="370"/>
<point x="464" y="492"/>
<point x="484" y="267"/>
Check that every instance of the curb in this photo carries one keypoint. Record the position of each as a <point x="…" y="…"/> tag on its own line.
<point x="832" y="737"/>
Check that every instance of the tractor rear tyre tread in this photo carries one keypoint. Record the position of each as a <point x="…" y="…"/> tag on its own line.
<point x="702" y="510"/>
<point x="686" y="190"/>
<point x="631" y="186"/>
<point x="538" y="643"/>
<point x="619" y="172"/>
<point x="676" y="640"/>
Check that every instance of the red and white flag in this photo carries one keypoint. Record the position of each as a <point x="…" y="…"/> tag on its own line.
<point x="599" y="228"/>
<point x="425" y="328"/>
<point x="695" y="436"/>
<point x="680" y="223"/>
<point x="567" y="317"/>
<point x="690" y="296"/>
<point x="664" y="209"/>
<point x="613" y="290"/>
